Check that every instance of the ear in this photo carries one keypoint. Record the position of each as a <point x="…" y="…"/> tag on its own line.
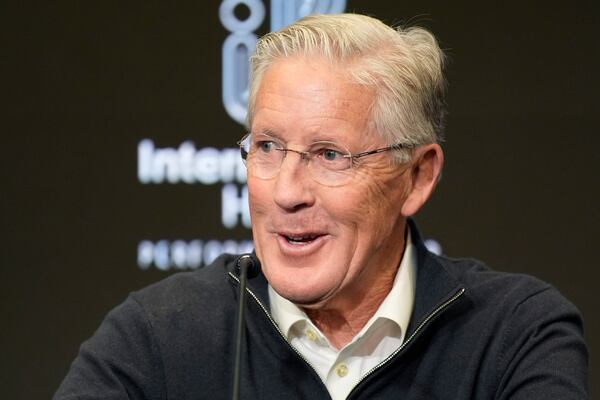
<point x="427" y="162"/>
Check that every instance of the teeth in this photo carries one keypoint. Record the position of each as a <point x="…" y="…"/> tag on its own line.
<point x="300" y="239"/>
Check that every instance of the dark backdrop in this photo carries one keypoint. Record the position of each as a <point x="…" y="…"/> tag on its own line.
<point x="85" y="82"/>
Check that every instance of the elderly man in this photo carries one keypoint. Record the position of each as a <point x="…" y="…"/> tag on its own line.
<point x="345" y="120"/>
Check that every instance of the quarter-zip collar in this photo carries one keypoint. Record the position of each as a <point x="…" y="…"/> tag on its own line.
<point x="436" y="291"/>
<point x="435" y="284"/>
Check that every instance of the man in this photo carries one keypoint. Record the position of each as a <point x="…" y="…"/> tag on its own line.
<point x="345" y="120"/>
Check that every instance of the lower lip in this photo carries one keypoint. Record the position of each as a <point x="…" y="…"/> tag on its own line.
<point x="301" y="248"/>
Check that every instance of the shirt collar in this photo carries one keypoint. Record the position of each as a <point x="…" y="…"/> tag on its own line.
<point x="284" y="312"/>
<point x="396" y="307"/>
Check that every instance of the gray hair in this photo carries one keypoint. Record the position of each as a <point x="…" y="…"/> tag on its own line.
<point x="404" y="66"/>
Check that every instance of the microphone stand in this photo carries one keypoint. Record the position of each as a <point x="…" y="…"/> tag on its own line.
<point x="243" y="264"/>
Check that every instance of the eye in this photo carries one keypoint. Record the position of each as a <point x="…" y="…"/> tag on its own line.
<point x="330" y="154"/>
<point x="265" y="146"/>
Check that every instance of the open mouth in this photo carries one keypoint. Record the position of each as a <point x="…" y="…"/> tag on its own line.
<point x="301" y="244"/>
<point x="301" y="239"/>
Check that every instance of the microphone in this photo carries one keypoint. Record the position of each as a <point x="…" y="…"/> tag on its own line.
<point x="251" y="263"/>
<point x="247" y="267"/>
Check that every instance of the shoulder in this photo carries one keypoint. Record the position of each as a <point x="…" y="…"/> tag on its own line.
<point x="480" y="280"/>
<point x="533" y="334"/>
<point x="518" y="297"/>
<point x="132" y="350"/>
<point x="197" y="290"/>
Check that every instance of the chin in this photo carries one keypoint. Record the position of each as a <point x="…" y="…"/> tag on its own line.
<point x="304" y="286"/>
<point x="304" y="297"/>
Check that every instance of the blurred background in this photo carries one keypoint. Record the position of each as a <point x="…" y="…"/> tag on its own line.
<point x="119" y="122"/>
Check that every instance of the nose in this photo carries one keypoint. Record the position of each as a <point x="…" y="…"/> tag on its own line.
<point x="293" y="188"/>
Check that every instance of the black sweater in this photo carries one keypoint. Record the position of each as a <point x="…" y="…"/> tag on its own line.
<point x="474" y="334"/>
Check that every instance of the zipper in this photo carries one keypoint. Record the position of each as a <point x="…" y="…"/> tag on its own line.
<point x="435" y="312"/>
<point x="420" y="327"/>
<point x="279" y="331"/>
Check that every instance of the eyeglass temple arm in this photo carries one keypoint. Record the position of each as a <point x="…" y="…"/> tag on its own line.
<point x="396" y="146"/>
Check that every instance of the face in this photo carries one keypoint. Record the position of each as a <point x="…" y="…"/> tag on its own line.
<point x="321" y="244"/>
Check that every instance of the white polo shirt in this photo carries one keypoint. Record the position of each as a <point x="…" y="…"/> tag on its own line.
<point x="342" y="369"/>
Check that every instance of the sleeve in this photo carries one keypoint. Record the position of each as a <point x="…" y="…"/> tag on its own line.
<point x="120" y="361"/>
<point x="544" y="353"/>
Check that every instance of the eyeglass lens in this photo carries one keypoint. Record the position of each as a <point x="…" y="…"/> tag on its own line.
<point x="328" y="163"/>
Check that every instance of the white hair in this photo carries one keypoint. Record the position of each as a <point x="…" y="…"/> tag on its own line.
<point x="403" y="66"/>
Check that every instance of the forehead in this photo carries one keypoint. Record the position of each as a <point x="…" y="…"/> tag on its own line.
<point x="304" y="100"/>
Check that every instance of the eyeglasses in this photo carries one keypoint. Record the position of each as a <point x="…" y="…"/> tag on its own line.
<point x="329" y="163"/>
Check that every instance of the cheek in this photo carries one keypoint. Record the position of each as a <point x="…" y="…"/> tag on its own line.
<point x="362" y="208"/>
<point x="258" y="198"/>
<point x="345" y="207"/>
<point x="259" y="201"/>
<point x="380" y="210"/>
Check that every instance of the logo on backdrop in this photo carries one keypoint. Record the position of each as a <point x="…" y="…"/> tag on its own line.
<point x="240" y="44"/>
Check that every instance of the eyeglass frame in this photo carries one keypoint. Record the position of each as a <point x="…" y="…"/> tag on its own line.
<point x="304" y="154"/>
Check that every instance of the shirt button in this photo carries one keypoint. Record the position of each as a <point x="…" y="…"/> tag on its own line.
<point x="341" y="370"/>
<point x="311" y="335"/>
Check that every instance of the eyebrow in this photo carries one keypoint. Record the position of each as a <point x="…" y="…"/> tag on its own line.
<point x="270" y="133"/>
<point x="317" y="137"/>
